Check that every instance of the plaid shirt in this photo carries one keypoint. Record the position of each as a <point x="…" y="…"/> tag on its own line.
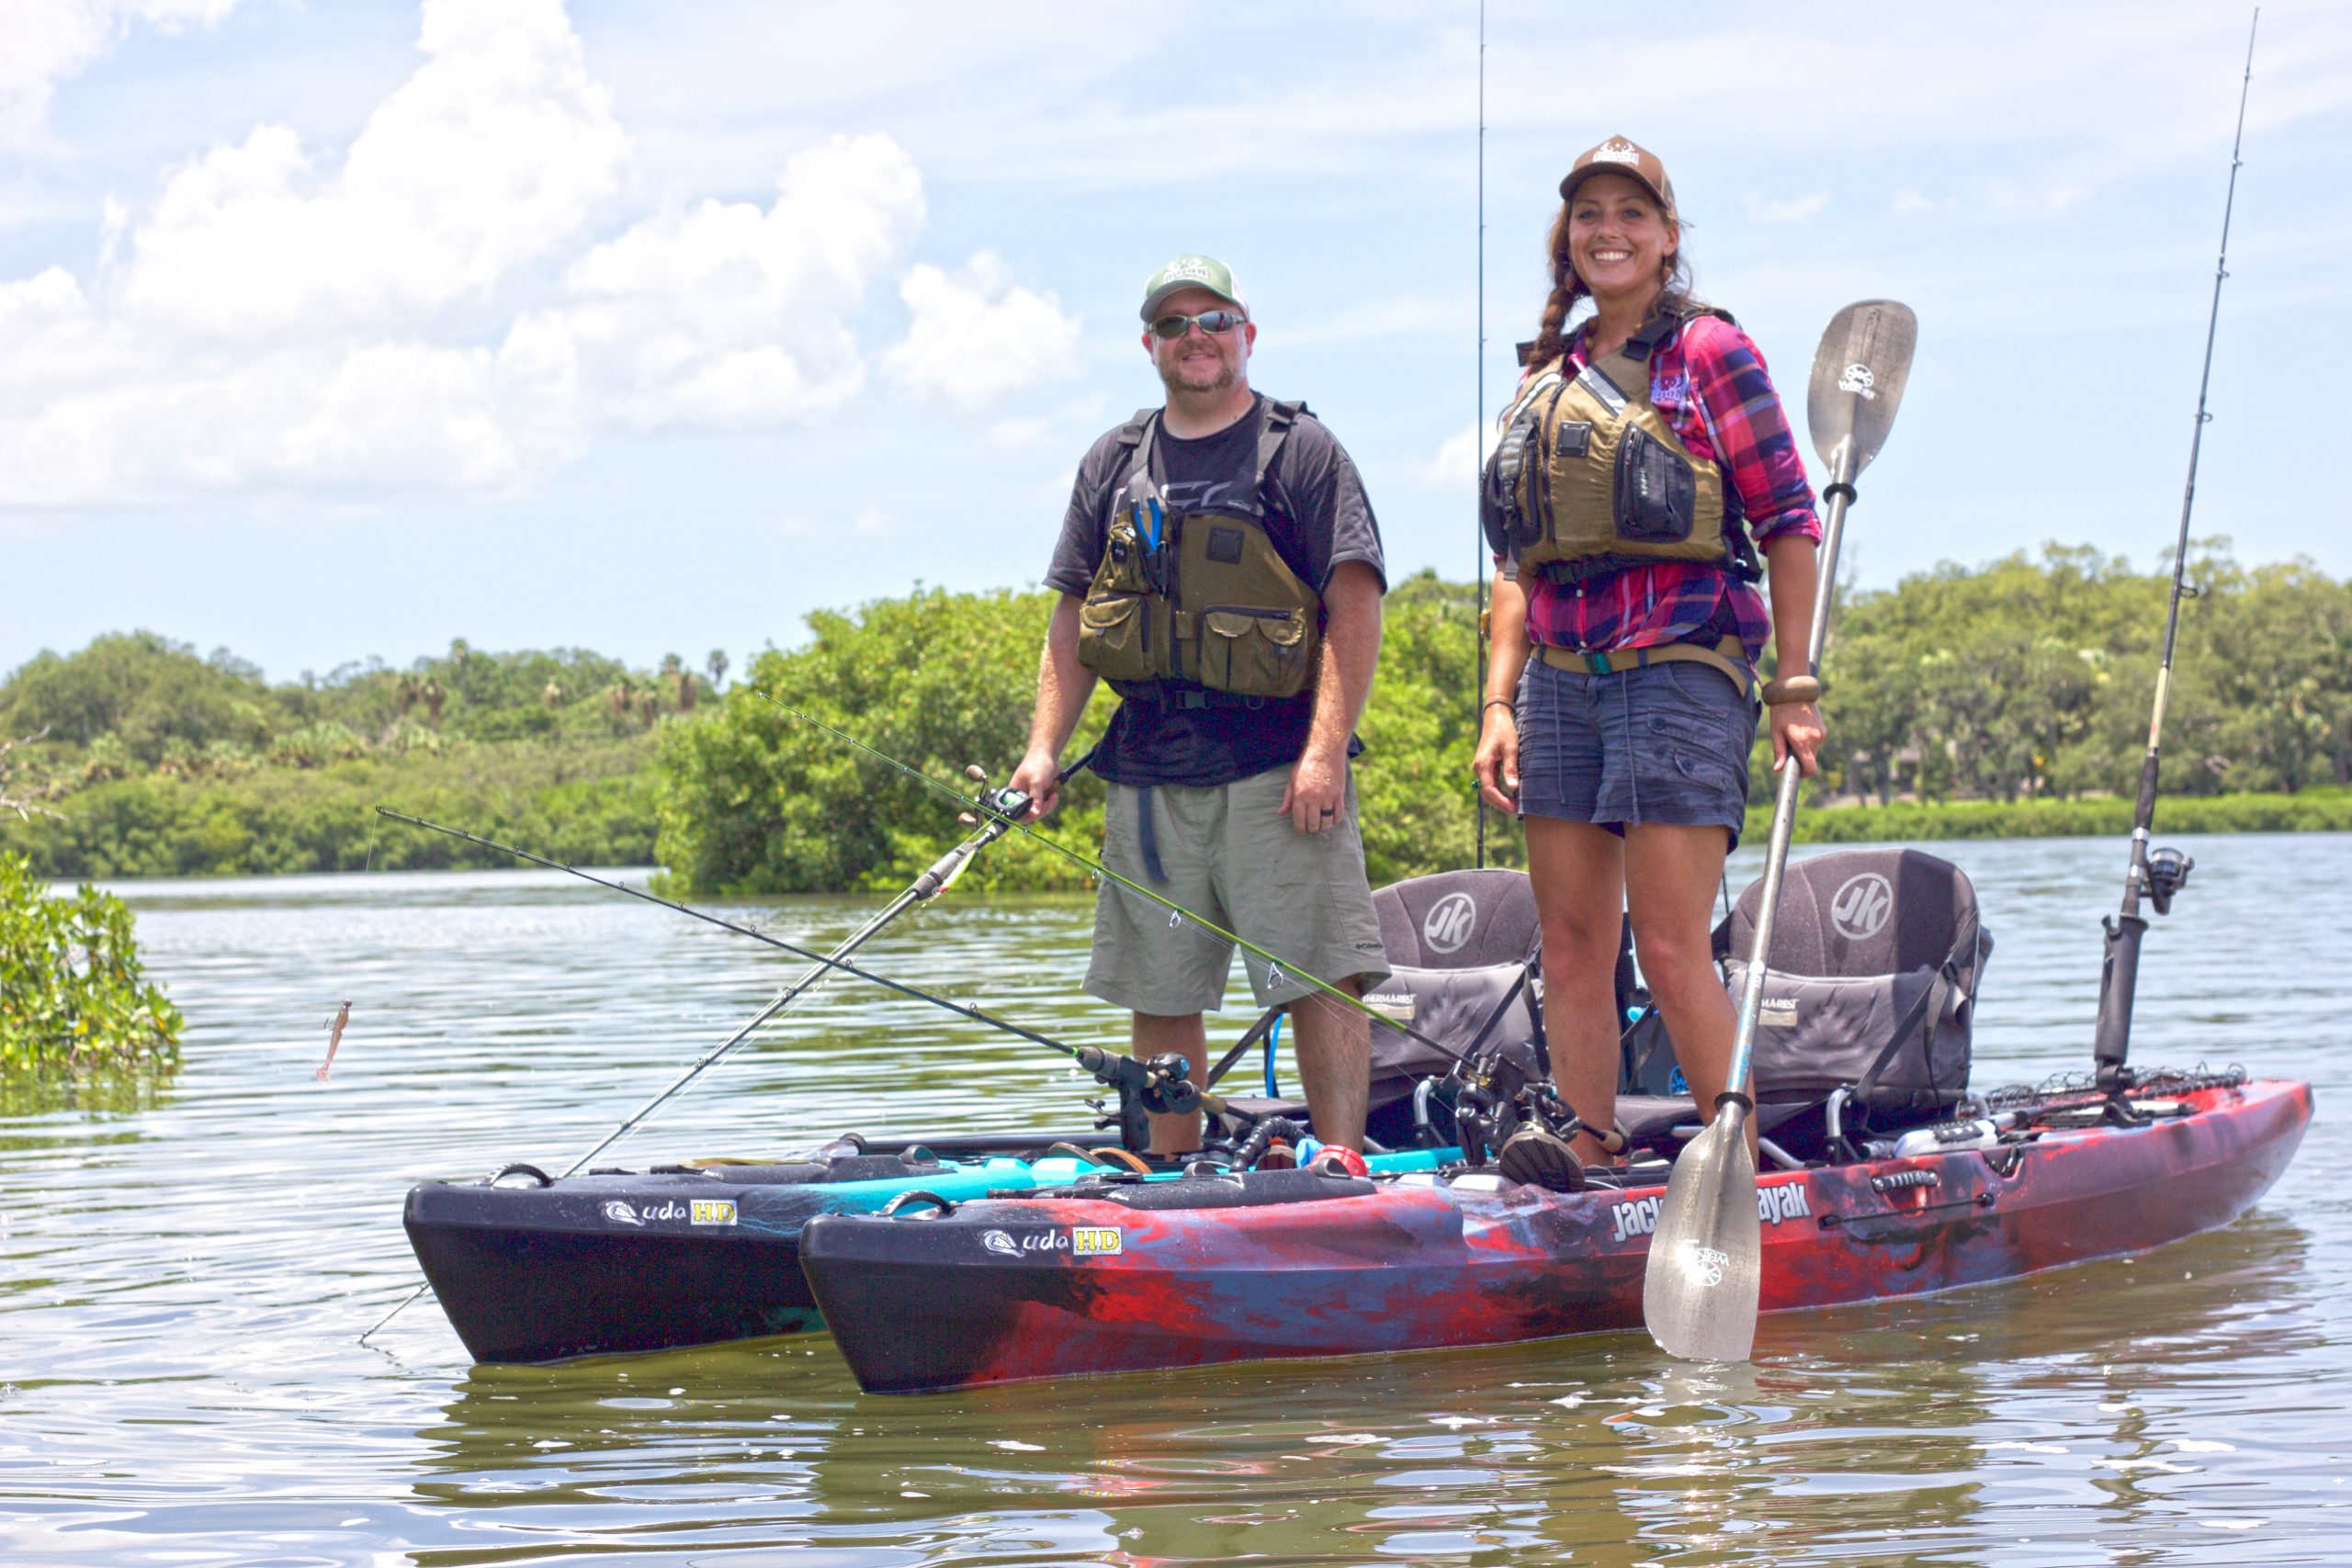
<point x="1710" y="383"/>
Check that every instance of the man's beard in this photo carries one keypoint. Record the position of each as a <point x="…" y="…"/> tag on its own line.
<point x="1228" y="376"/>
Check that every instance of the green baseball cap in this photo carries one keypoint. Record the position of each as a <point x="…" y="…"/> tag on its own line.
<point x="1191" y="272"/>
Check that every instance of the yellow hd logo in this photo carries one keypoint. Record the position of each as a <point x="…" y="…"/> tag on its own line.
<point x="1093" y="1241"/>
<point x="714" y="1212"/>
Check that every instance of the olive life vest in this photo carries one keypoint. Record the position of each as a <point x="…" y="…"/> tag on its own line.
<point x="1197" y="606"/>
<point x="1589" y="477"/>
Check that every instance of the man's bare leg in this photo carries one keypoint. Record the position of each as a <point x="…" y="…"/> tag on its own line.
<point x="1333" y="1044"/>
<point x="1157" y="1034"/>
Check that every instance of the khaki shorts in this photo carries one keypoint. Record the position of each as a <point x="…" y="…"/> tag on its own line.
<point x="1232" y="859"/>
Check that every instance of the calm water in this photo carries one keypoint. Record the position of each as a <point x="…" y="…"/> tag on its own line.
<point x="182" y="1283"/>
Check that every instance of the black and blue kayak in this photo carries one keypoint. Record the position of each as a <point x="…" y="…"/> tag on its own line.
<point x="531" y="1267"/>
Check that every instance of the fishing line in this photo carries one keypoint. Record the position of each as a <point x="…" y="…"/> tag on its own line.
<point x="938" y="878"/>
<point x="1277" y="967"/>
<point x="843" y="965"/>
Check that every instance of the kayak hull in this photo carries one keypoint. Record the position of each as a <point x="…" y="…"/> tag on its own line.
<point x="532" y="1269"/>
<point x="1054" y="1287"/>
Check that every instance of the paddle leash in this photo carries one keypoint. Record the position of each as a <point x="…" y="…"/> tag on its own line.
<point x="1705" y="1266"/>
<point x="2158" y="875"/>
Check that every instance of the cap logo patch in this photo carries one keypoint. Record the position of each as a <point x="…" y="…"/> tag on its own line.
<point x="1190" y="267"/>
<point x="1617" y="150"/>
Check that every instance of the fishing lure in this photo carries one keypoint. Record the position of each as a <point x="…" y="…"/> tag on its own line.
<point x="334" y="1038"/>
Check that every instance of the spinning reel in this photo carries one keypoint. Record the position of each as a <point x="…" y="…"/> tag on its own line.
<point x="1498" y="1089"/>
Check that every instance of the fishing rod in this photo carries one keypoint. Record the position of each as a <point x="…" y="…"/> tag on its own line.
<point x="1484" y="565"/>
<point x="938" y="878"/>
<point x="2160" y="874"/>
<point x="1276" y="967"/>
<point x="1156" y="1079"/>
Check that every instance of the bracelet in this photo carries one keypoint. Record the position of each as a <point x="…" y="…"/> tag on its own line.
<point x="1511" y="703"/>
<point x="1793" y="689"/>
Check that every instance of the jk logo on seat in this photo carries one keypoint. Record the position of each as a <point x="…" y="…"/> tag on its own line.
<point x="1449" y="922"/>
<point x="1860" y="907"/>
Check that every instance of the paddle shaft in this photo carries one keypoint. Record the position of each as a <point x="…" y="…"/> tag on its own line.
<point x="1841" y="493"/>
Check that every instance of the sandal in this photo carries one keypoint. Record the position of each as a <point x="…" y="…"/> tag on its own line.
<point x="1537" y="1156"/>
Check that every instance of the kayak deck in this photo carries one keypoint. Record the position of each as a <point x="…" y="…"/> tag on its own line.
<point x="1058" y="1286"/>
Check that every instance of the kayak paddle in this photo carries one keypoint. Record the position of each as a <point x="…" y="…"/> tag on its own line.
<point x="1699" y="1293"/>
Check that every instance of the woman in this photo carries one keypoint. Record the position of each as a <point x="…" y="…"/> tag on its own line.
<point x="1621" y="706"/>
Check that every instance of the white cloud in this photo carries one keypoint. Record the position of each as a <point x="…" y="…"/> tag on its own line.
<point x="497" y="150"/>
<point x="730" y="315"/>
<point x="1458" y="458"/>
<point x="49" y="41"/>
<point x="1789" y="211"/>
<point x="427" y="310"/>
<point x="977" y="337"/>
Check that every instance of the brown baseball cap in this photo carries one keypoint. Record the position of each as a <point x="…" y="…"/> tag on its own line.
<point x="1619" y="155"/>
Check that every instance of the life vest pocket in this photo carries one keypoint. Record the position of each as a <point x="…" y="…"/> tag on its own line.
<point x="1657" y="495"/>
<point x="1114" y="636"/>
<point x="1254" y="652"/>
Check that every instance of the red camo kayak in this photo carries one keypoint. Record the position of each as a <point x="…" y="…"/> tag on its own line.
<point x="1296" y="1264"/>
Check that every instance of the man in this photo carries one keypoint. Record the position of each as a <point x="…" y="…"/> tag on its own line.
<point x="1219" y="565"/>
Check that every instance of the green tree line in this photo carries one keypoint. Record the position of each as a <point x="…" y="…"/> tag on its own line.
<point x="2007" y="698"/>
<point x="135" y="756"/>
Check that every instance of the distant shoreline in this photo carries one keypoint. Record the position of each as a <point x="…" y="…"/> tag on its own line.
<point x="2306" y="811"/>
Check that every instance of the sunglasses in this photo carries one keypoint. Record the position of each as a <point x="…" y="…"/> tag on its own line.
<point x="1173" y="327"/>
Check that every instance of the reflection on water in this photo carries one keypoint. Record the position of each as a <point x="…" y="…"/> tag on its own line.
<point x="182" y="1278"/>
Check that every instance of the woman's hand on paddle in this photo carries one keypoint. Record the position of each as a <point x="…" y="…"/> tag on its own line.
<point x="1038" y="777"/>
<point x="1797" y="728"/>
<point x="1497" y="762"/>
<point x="1312" y="798"/>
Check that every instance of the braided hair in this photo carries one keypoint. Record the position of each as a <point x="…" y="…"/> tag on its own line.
<point x="1552" y="332"/>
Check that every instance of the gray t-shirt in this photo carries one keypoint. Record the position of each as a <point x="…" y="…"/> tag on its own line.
<point x="1316" y="516"/>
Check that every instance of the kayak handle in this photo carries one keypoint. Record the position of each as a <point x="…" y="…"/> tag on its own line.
<point x="917" y="1195"/>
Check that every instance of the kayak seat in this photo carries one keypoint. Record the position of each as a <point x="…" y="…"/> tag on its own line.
<point x="1462" y="948"/>
<point x="1871" y="983"/>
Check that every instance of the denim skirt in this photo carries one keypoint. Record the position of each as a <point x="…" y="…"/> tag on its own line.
<point x="1656" y="743"/>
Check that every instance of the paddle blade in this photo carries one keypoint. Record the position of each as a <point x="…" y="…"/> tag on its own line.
<point x="1699" y="1293"/>
<point x="1857" y="379"/>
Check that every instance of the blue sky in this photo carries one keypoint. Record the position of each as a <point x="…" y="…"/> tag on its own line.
<point x="339" y="330"/>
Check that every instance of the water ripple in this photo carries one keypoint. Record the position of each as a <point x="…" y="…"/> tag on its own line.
<point x="183" y="1275"/>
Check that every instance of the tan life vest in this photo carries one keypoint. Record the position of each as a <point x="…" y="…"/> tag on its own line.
<point x="1197" y="606"/>
<point x="1589" y="477"/>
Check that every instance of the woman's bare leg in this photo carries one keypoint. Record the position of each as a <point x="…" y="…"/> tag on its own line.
<point x="1578" y="872"/>
<point x="1672" y="873"/>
